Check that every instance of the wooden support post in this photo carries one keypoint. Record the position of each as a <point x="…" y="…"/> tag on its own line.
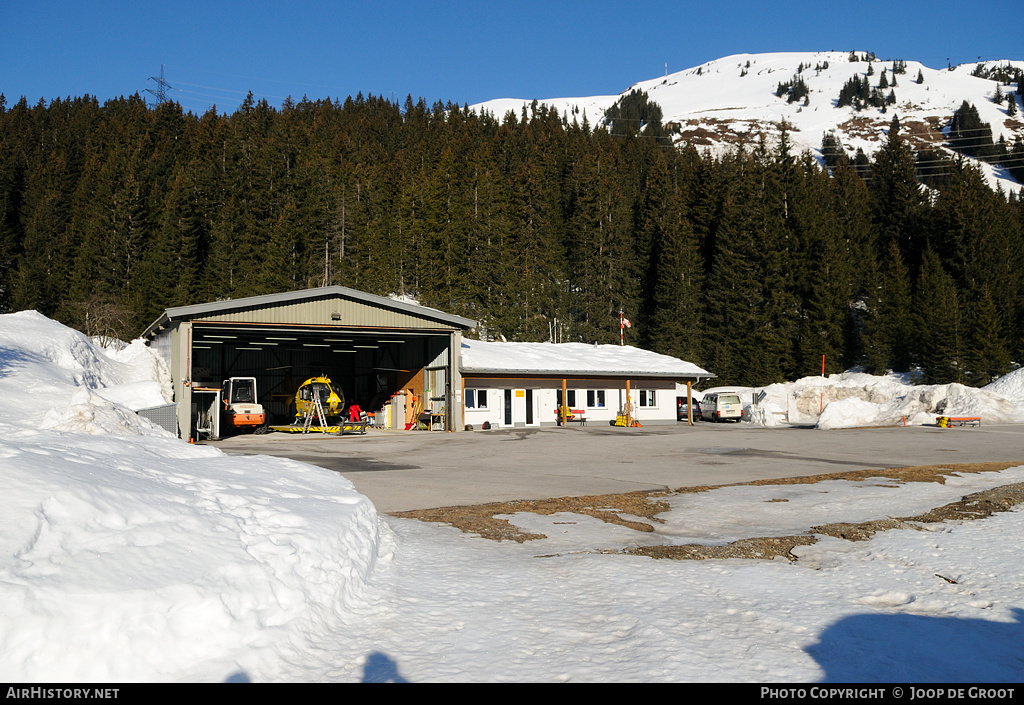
<point x="564" y="405"/>
<point x="629" y="407"/>
<point x="689" y="402"/>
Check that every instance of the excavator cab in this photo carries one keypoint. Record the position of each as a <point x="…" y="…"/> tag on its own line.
<point x="242" y="391"/>
<point x="241" y="411"/>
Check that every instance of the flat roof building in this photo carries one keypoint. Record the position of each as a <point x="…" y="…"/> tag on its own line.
<point x="524" y="384"/>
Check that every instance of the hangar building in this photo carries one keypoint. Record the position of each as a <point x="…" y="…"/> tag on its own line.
<point x="370" y="346"/>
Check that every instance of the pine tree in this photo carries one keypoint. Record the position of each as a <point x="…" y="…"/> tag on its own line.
<point x="674" y="309"/>
<point x="536" y="250"/>
<point x="988" y="358"/>
<point x="675" y="321"/>
<point x="853" y="256"/>
<point x="10" y="232"/>
<point x="832" y="149"/>
<point x="962" y="220"/>
<point x="734" y="297"/>
<point x="279" y="263"/>
<point x="897" y="202"/>
<point x="822" y="273"/>
<point x="968" y="134"/>
<point x="939" y="324"/>
<point x="168" y="273"/>
<point x="45" y="261"/>
<point x="598" y="242"/>
<point x="888" y="336"/>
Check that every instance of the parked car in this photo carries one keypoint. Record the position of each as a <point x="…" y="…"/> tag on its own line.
<point x="722" y="406"/>
<point x="681" y="409"/>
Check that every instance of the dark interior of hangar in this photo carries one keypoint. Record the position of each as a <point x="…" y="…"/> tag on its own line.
<point x="369" y="366"/>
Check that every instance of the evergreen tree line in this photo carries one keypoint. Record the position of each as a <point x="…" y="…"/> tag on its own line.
<point x="858" y="92"/>
<point x="754" y="264"/>
<point x="968" y="134"/>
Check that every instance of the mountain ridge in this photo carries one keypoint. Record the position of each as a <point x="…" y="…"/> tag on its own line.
<point x="733" y="101"/>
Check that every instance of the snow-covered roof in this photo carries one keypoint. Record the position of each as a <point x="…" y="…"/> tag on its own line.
<point x="479" y="357"/>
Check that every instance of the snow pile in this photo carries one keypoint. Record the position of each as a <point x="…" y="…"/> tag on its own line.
<point x="146" y="558"/>
<point x="153" y="385"/>
<point x="1009" y="386"/>
<point x="44" y="365"/>
<point x="87" y="412"/>
<point x="853" y="399"/>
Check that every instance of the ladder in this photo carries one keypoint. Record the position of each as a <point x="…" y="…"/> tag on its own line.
<point x="315" y="408"/>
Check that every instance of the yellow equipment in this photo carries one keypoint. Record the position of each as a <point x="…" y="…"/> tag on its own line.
<point x="319" y="408"/>
<point x="332" y="401"/>
<point x="625" y="416"/>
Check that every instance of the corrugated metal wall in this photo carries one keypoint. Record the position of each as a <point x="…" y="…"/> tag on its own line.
<point x="320" y="312"/>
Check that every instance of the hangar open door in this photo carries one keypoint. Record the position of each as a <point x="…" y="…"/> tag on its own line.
<point x="368" y="369"/>
<point x="366" y="348"/>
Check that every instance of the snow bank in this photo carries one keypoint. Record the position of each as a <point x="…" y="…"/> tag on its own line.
<point x="127" y="554"/>
<point x="90" y="413"/>
<point x="43" y="364"/>
<point x="1009" y="386"/>
<point x="854" y="399"/>
<point x="153" y="385"/>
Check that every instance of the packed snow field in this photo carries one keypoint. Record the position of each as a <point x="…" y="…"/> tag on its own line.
<point x="129" y="555"/>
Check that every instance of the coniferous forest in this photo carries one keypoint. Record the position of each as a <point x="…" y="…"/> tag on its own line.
<point x="752" y="265"/>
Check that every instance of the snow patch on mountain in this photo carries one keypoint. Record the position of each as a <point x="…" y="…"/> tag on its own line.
<point x="732" y="101"/>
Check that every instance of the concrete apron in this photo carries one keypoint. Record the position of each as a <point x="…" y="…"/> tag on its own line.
<point x="406" y="470"/>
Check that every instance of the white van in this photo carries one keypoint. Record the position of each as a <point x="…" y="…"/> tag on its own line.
<point x="721" y="406"/>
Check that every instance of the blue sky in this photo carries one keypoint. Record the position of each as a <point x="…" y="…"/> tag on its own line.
<point x="466" y="52"/>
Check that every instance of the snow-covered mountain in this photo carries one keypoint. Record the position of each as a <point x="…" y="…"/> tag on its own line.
<point x="731" y="101"/>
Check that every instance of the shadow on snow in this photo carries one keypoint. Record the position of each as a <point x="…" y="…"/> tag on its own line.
<point x="923" y="649"/>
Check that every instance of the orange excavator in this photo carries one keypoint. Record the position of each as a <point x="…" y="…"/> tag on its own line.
<point x="241" y="411"/>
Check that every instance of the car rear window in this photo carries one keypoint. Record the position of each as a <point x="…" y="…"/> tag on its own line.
<point x="728" y="399"/>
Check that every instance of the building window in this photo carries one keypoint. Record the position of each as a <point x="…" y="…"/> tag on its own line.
<point x="570" y="394"/>
<point x="647" y="398"/>
<point x="476" y="398"/>
<point x="595" y="398"/>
